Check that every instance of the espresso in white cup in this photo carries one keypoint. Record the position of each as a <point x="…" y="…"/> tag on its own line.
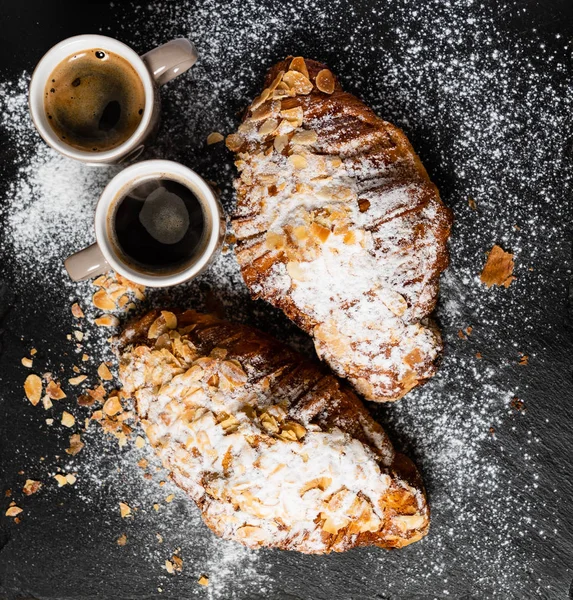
<point x="94" y="99"/>
<point x="157" y="223"/>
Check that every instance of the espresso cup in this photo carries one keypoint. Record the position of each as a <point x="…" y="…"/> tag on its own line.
<point x="153" y="69"/>
<point x="159" y="218"/>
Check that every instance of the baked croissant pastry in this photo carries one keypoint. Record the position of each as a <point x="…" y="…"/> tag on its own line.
<point x="274" y="450"/>
<point x="338" y="225"/>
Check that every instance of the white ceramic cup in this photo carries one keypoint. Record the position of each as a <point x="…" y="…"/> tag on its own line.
<point x="105" y="255"/>
<point x="156" y="67"/>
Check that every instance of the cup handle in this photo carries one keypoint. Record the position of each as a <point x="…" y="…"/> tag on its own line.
<point x="86" y="263"/>
<point x="170" y="60"/>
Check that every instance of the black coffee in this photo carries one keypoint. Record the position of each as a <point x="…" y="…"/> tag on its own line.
<point x="158" y="226"/>
<point x="94" y="100"/>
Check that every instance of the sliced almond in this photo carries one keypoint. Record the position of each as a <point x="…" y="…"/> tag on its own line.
<point x="76" y="444"/>
<point x="122" y="540"/>
<point x="268" y="127"/>
<point x="13" y="511"/>
<point x="281" y="142"/>
<point x="305" y="137"/>
<point x="33" y="389"/>
<point x="107" y="321"/>
<point x="31" y="487"/>
<point x="234" y="142"/>
<point x="408" y="522"/>
<point x="298" y="82"/>
<point x="170" y="319"/>
<point x="325" y="81"/>
<point x="319" y="232"/>
<point x="204" y="581"/>
<point x="77" y="380"/>
<point x="298" y="64"/>
<point x="298" y="161"/>
<point x="68" y="420"/>
<point x="85" y="357"/>
<point x="124" y="510"/>
<point x="77" y="311"/>
<point x="71" y="479"/>
<point x="139" y="442"/>
<point x="170" y="498"/>
<point x="260" y="99"/>
<point x="295" y="271"/>
<point x="47" y="402"/>
<point x="104" y="372"/>
<point x="214" y="138"/>
<point x="27" y="362"/>
<point x="61" y="479"/>
<point x="295" y="114"/>
<point x="54" y="390"/>
<point x="112" y="406"/>
<point x="102" y="301"/>
<point x="79" y="335"/>
<point x="275" y="241"/>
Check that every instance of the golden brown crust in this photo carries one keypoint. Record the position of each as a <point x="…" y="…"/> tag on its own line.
<point x="356" y="178"/>
<point x="392" y="510"/>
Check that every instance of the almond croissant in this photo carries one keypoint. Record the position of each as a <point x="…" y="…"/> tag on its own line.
<point x="339" y="226"/>
<point x="274" y="450"/>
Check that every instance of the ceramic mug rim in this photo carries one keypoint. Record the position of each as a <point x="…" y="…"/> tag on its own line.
<point x="45" y="68"/>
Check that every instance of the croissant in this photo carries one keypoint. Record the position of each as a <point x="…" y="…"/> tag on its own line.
<point x="273" y="449"/>
<point x="338" y="225"/>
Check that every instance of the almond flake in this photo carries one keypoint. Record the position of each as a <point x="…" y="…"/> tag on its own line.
<point x="31" y="487"/>
<point x="112" y="406"/>
<point x="79" y="335"/>
<point x="214" y="138"/>
<point x="85" y="357"/>
<point x="169" y="566"/>
<point x="298" y="82"/>
<point x="49" y="421"/>
<point x="170" y="498"/>
<point x="54" y="390"/>
<point x="298" y="64"/>
<point x="170" y="319"/>
<point x="47" y="402"/>
<point x="27" y="362"/>
<point x="204" y="581"/>
<point x="139" y="442"/>
<point x="107" y="321"/>
<point x="77" y="380"/>
<point x="472" y="204"/>
<point x="33" y="389"/>
<point x="234" y="142"/>
<point x="304" y="137"/>
<point x="498" y="269"/>
<point x="298" y="161"/>
<point x="13" y="511"/>
<point x="280" y="142"/>
<point x="122" y="540"/>
<point x="68" y="420"/>
<point x="77" y="311"/>
<point x="268" y="127"/>
<point x="61" y="480"/>
<point x="325" y="81"/>
<point x="102" y="301"/>
<point x="104" y="372"/>
<point x="76" y="444"/>
<point x="143" y="463"/>
<point x="124" y="510"/>
<point x="33" y="352"/>
<point x="71" y="479"/>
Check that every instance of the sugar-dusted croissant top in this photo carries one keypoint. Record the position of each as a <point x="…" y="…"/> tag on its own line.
<point x="273" y="449"/>
<point x="338" y="224"/>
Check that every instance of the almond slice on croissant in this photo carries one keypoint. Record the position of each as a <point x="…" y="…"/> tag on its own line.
<point x="274" y="450"/>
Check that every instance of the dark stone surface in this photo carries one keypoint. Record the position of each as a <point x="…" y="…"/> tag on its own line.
<point x="65" y="546"/>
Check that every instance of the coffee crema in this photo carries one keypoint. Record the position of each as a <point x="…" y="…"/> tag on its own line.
<point x="158" y="226"/>
<point x="94" y="100"/>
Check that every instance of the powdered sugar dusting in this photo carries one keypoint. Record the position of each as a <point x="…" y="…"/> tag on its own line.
<point x="486" y="107"/>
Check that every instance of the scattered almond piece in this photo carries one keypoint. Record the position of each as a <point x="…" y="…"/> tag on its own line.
<point x="33" y="352"/>
<point x="107" y="321"/>
<point x="169" y="566"/>
<point x="61" y="480"/>
<point x="122" y="540"/>
<point x="33" y="389"/>
<point x="49" y="421"/>
<point x="13" y="511"/>
<point x="469" y="330"/>
<point x="498" y="269"/>
<point x="112" y="406"/>
<point x="68" y="420"/>
<point x="139" y="442"/>
<point x="156" y="507"/>
<point x="298" y="64"/>
<point x="77" y="380"/>
<point x="177" y="562"/>
<point x="27" y="362"/>
<point x="472" y="204"/>
<point x="79" y="335"/>
<point x="124" y="510"/>
<point x="31" y="487"/>
<point x="170" y="498"/>
<point x="54" y="390"/>
<point x="71" y="479"/>
<point x="76" y="444"/>
<point x="461" y="334"/>
<point x="214" y="138"/>
<point x="524" y="360"/>
<point x="85" y="357"/>
<point x="478" y="355"/>
<point x="104" y="372"/>
<point x="204" y="581"/>
<point x="102" y="300"/>
<point x="77" y="311"/>
<point x="47" y="402"/>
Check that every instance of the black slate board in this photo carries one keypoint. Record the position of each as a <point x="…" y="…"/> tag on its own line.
<point x="65" y="546"/>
